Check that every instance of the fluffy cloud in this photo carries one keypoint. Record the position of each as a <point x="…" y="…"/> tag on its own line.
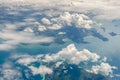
<point x="27" y="60"/>
<point x="68" y="55"/>
<point x="103" y="68"/>
<point x="74" y="19"/>
<point x="41" y="28"/>
<point x="67" y="19"/>
<point x="45" y="21"/>
<point x="72" y="55"/>
<point x="42" y="70"/>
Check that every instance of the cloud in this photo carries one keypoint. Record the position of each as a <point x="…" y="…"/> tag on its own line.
<point x="11" y="37"/>
<point x="102" y="9"/>
<point x="73" y="19"/>
<point x="69" y="55"/>
<point x="62" y="33"/>
<point x="41" y="28"/>
<point x="103" y="68"/>
<point x="5" y="46"/>
<point x="58" y="64"/>
<point x="55" y="27"/>
<point x="27" y="60"/>
<point x="42" y="70"/>
<point x="8" y="72"/>
<point x="72" y="55"/>
<point x="28" y="30"/>
<point x="59" y="21"/>
<point x="45" y="21"/>
<point x="60" y="13"/>
<point x="67" y="19"/>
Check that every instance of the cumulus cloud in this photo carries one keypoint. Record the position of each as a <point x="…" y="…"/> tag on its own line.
<point x="45" y="21"/>
<point x="66" y="19"/>
<point x="103" y="68"/>
<point x="26" y="61"/>
<point x="72" y="55"/>
<point x="69" y="55"/>
<point x="42" y="70"/>
<point x="74" y="19"/>
<point x="41" y="28"/>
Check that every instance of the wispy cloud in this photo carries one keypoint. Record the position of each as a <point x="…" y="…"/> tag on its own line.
<point x="102" y="9"/>
<point x="12" y="37"/>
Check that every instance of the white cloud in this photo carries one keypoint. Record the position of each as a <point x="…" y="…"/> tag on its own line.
<point x="72" y="55"/>
<point x="103" y="68"/>
<point x="73" y="19"/>
<point x="63" y="16"/>
<point x="5" y="46"/>
<point x="26" y="61"/>
<point x="62" y="33"/>
<point x="69" y="54"/>
<point x="55" y="27"/>
<point x="58" y="64"/>
<point x="43" y="70"/>
<point x="41" y="28"/>
<point x="45" y="21"/>
<point x="12" y="37"/>
<point x="102" y="9"/>
<point x="9" y="72"/>
<point x="28" y="30"/>
<point x="67" y="19"/>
